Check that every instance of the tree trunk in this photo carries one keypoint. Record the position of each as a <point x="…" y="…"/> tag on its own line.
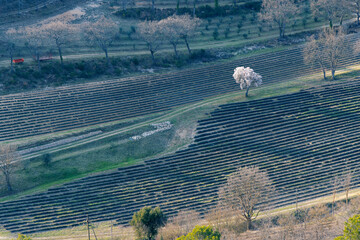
<point x="333" y="74"/>
<point x="152" y="56"/>
<point x="246" y="95"/>
<point x="248" y="224"/>
<point x="324" y="72"/>
<point x="280" y="31"/>
<point x="194" y="9"/>
<point x="11" y="62"/>
<point x="177" y="7"/>
<point x="61" y="57"/>
<point x="176" y="53"/>
<point x="7" y="178"/>
<point x="38" y="61"/>
<point x="152" y="9"/>
<point x="187" y="45"/>
<point x="330" y="23"/>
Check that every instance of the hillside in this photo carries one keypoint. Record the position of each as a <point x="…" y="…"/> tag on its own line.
<point x="302" y="140"/>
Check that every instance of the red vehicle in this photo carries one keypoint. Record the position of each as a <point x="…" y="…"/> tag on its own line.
<point x="19" y="60"/>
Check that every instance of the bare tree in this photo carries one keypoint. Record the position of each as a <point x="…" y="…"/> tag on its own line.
<point x="101" y="33"/>
<point x="280" y="12"/>
<point x="152" y="35"/>
<point x="318" y="216"/>
<point x="347" y="178"/>
<point x="247" y="190"/>
<point x="335" y="46"/>
<point x="179" y="225"/>
<point x="335" y="184"/>
<point x="8" y="160"/>
<point x="326" y="50"/>
<point x="246" y="77"/>
<point x="222" y="217"/>
<point x="315" y="54"/>
<point x="332" y="10"/>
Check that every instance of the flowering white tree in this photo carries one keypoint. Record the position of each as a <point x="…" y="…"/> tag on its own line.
<point x="152" y="34"/>
<point x="60" y="31"/>
<point x="35" y="40"/>
<point x="100" y="33"/>
<point x="188" y="27"/>
<point x="171" y="28"/>
<point x="246" y="77"/>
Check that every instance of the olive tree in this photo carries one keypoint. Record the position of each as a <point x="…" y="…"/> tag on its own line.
<point x="279" y="12"/>
<point x="147" y="222"/>
<point x="246" y="77"/>
<point x="247" y="191"/>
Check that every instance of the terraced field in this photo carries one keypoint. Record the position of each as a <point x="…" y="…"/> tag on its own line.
<point x="302" y="140"/>
<point x="34" y="113"/>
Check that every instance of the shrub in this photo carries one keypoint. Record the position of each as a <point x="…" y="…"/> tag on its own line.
<point x="352" y="229"/>
<point x="202" y="232"/>
<point x="23" y="237"/>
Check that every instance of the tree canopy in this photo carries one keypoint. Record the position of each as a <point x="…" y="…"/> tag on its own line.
<point x="147" y="221"/>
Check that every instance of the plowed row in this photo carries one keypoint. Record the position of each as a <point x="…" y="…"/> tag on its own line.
<point x="34" y="113"/>
<point x="302" y="140"/>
